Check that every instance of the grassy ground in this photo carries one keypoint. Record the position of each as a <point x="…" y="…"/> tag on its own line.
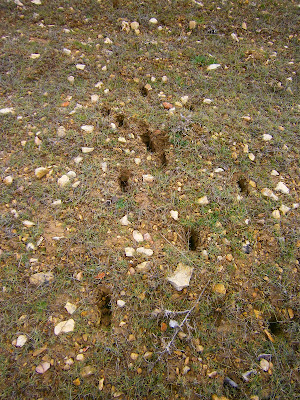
<point x="197" y="149"/>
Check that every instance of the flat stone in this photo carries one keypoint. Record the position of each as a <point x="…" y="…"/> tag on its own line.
<point x="181" y="277"/>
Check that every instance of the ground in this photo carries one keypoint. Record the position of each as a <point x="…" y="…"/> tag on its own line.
<point x="178" y="144"/>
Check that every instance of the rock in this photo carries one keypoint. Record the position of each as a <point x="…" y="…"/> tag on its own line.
<point x="94" y="98"/>
<point x="35" y="56"/>
<point x="276" y="214"/>
<point x="274" y="172"/>
<point x="203" y="201"/>
<point x="230" y="382"/>
<point x="87" y="128"/>
<point x="41" y="277"/>
<point x="64" y="327"/>
<point x="144" y="251"/>
<point x="71" y="79"/>
<point x="173" y="324"/>
<point x="107" y="40"/>
<point x="80" y="357"/>
<point x="121" y="303"/>
<point x="181" y="277"/>
<point x="219" y="170"/>
<point x="251" y="156"/>
<point x="129" y="251"/>
<point x="148" y="178"/>
<point x="71" y="174"/>
<point x="27" y="223"/>
<point x="153" y="21"/>
<point x="174" y="214"/>
<point x="137" y="236"/>
<point x="219" y="288"/>
<point x="148" y="355"/>
<point x="134" y="25"/>
<point x="167" y="105"/>
<point x="86" y="150"/>
<point x="267" y="137"/>
<point x="192" y="25"/>
<point x="81" y="67"/>
<point x="40" y="172"/>
<point x="43" y="367"/>
<point x="8" y="180"/>
<point x="78" y="159"/>
<point x="63" y="181"/>
<point x="234" y="37"/>
<point x="101" y="384"/>
<point x="67" y="51"/>
<point x="213" y="66"/>
<point x="184" y="99"/>
<point x="37" y="141"/>
<point x="143" y="267"/>
<point x="185" y="369"/>
<point x="87" y="371"/>
<point x="268" y="193"/>
<point x="207" y="101"/>
<point x="71" y="308"/>
<point x="7" y="110"/>
<point x="137" y="160"/>
<point x="76" y="184"/>
<point x="61" y="131"/>
<point x="36" y="2"/>
<point x="284" y="209"/>
<point x="124" y="221"/>
<point x="121" y="139"/>
<point x="264" y="365"/>
<point x="134" y="356"/>
<point x="281" y="187"/>
<point x="244" y="26"/>
<point x="21" y="340"/>
<point x="164" y="79"/>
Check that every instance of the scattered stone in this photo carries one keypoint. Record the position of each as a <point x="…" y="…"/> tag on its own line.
<point x="21" y="340"/>
<point x="137" y="160"/>
<point x="87" y="371"/>
<point x="43" y="367"/>
<point x="121" y="139"/>
<point x="148" y="355"/>
<point x="61" y="131"/>
<point x="41" y="277"/>
<point x="219" y="170"/>
<point x="121" y="303"/>
<point x="71" y="79"/>
<point x="181" y="277"/>
<point x="78" y="159"/>
<point x="87" y="150"/>
<point x="129" y="251"/>
<point x="81" y="67"/>
<point x="192" y="25"/>
<point x="174" y="214"/>
<point x="35" y="56"/>
<point x="274" y="172"/>
<point x="124" y="220"/>
<point x="94" y="98"/>
<point x="40" y="172"/>
<point x="137" y="236"/>
<point x="246" y="374"/>
<point x="281" y="187"/>
<point x="144" y="251"/>
<point x="207" y="101"/>
<point x="63" y="181"/>
<point x="234" y="37"/>
<point x="80" y="357"/>
<point x="143" y="267"/>
<point x="87" y="128"/>
<point x="276" y="214"/>
<point x="284" y="209"/>
<point x="244" y="26"/>
<point x="264" y="365"/>
<point x="71" y="308"/>
<point x="213" y="66"/>
<point x="230" y="382"/>
<point x="56" y="203"/>
<point x="167" y="105"/>
<point x="134" y="25"/>
<point x="27" y="223"/>
<point x="267" y="137"/>
<point x="107" y="40"/>
<point x="164" y="79"/>
<point x="268" y="193"/>
<point x="219" y="288"/>
<point x="64" y="327"/>
<point x="148" y="178"/>
<point x="8" y="180"/>
<point x="30" y="246"/>
<point x="173" y="324"/>
<point x="71" y="174"/>
<point x="203" y="201"/>
<point x="153" y="21"/>
<point x="134" y="356"/>
<point x="184" y="99"/>
<point x="185" y="369"/>
<point x="67" y="51"/>
<point x="7" y="110"/>
<point x="36" y="2"/>
<point x="251" y="156"/>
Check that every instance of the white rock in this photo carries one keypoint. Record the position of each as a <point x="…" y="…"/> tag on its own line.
<point x="281" y="187"/>
<point x="164" y="79"/>
<point x="146" y="252"/>
<point x="71" y="308"/>
<point x="98" y="84"/>
<point x="104" y="166"/>
<point x="192" y="25"/>
<point x="67" y="51"/>
<point x="203" y="201"/>
<point x="94" y="98"/>
<point x="64" y="327"/>
<point x="21" y="340"/>
<point x="80" y="357"/>
<point x="137" y="236"/>
<point x="120" y="303"/>
<point x="8" y="180"/>
<point x="18" y="3"/>
<point x="295" y="206"/>
<point x="63" y="181"/>
<point x="268" y="193"/>
<point x="40" y="172"/>
<point x="137" y="160"/>
<point x="7" y="110"/>
<point x="184" y="99"/>
<point x="284" y="209"/>
<point x="234" y="37"/>
<point x="276" y="214"/>
<point x="267" y="137"/>
<point x="181" y="277"/>
<point x="219" y="170"/>
<point x="153" y="21"/>
<point x="36" y="2"/>
<point x="86" y="150"/>
<point x="125" y="26"/>
<point x="134" y="25"/>
<point x="71" y="174"/>
<point x="27" y="223"/>
<point x="251" y="156"/>
<point x="144" y="266"/>
<point x="107" y="41"/>
<point x="213" y="66"/>
<point x="173" y="324"/>
<point x="124" y="221"/>
<point x="81" y="67"/>
<point x="56" y="203"/>
<point x="61" y="131"/>
<point x="41" y="277"/>
<point x="76" y="184"/>
<point x="274" y="172"/>
<point x="30" y="246"/>
<point x="207" y="101"/>
<point x="37" y="141"/>
<point x="148" y="178"/>
<point x="129" y="251"/>
<point x="78" y="159"/>
<point x="43" y="367"/>
<point x="34" y="56"/>
<point x="174" y="214"/>
<point x="87" y="128"/>
<point x="264" y="365"/>
<point x="246" y="148"/>
<point x="121" y="139"/>
<point x="244" y="26"/>
<point x="71" y="79"/>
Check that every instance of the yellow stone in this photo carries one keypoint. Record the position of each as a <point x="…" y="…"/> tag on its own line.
<point x="219" y="288"/>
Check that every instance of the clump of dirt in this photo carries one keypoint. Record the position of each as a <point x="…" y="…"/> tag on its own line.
<point x="124" y="177"/>
<point x="103" y="301"/>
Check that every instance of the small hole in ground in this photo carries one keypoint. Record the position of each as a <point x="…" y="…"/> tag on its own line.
<point x="120" y="120"/>
<point x="105" y="111"/>
<point x="243" y="185"/>
<point x="192" y="238"/>
<point x="144" y="92"/>
<point x="124" y="176"/>
<point x="104" y="305"/>
<point x="275" y="326"/>
<point x="147" y="140"/>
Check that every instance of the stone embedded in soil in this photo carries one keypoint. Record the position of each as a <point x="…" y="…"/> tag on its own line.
<point x="94" y="98"/>
<point x="264" y="365"/>
<point x="71" y="308"/>
<point x="153" y="21"/>
<point x="7" y="110"/>
<point x="64" y="327"/>
<point x="148" y="178"/>
<point x="41" y="277"/>
<point x="211" y="67"/>
<point x="207" y="101"/>
<point x="203" y="201"/>
<point x="281" y="187"/>
<point x="61" y="131"/>
<point x="143" y="267"/>
<point x="269" y="193"/>
<point x="137" y="236"/>
<point x="274" y="172"/>
<point x="251" y="156"/>
<point x="124" y="220"/>
<point x="21" y="340"/>
<point x="121" y="303"/>
<point x="267" y="137"/>
<point x="8" y="180"/>
<point x="167" y="105"/>
<point x="80" y="67"/>
<point x="87" y="371"/>
<point x="27" y="223"/>
<point x="181" y="277"/>
<point x="146" y="252"/>
<point x="276" y="214"/>
<point x="219" y="288"/>
<point x="284" y="209"/>
<point x="129" y="251"/>
<point x="87" y="150"/>
<point x="43" y="367"/>
<point x="78" y="159"/>
<point x="87" y="128"/>
<point x="63" y="181"/>
<point x="192" y="25"/>
<point x="174" y="214"/>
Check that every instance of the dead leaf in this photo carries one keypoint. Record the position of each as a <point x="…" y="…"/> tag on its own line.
<point x="100" y="276"/>
<point x="163" y="327"/>
<point x="65" y="104"/>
